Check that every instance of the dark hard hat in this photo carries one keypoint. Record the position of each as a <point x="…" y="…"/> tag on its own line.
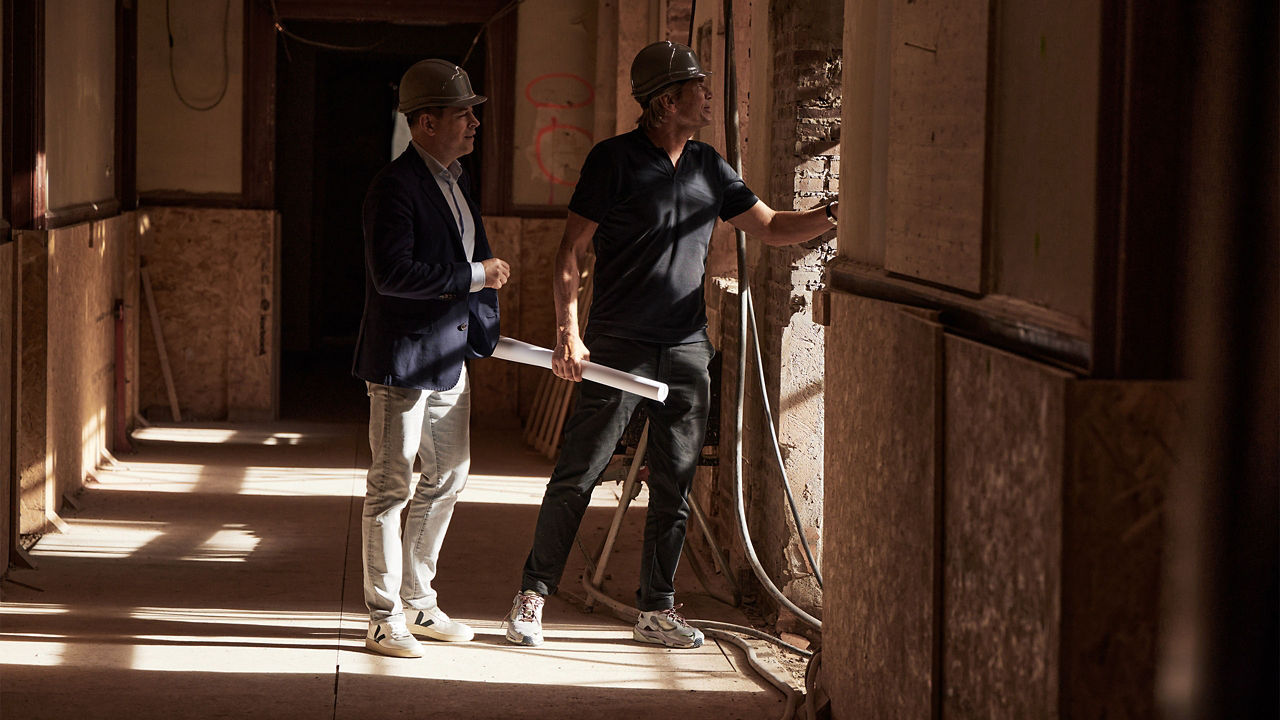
<point x="661" y="64"/>
<point x="436" y="83"/>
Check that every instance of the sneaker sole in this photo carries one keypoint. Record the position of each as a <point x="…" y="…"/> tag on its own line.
<point x="434" y="634"/>
<point x="381" y="649"/>
<point x="521" y="639"/>
<point x="660" y="639"/>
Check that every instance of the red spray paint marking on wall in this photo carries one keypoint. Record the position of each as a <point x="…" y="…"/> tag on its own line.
<point x="530" y="94"/>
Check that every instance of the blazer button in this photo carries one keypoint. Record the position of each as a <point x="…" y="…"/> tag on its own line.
<point x="462" y="326"/>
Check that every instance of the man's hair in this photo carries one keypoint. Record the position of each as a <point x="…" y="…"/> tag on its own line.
<point x="412" y="116"/>
<point x="652" y="114"/>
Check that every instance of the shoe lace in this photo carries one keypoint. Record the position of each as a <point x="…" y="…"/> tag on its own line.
<point x="529" y="607"/>
<point x="673" y="614"/>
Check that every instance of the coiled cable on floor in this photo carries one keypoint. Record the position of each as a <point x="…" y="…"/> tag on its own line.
<point x="721" y="631"/>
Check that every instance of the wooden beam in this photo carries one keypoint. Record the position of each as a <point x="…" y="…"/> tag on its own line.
<point x="257" y="185"/>
<point x="431" y="12"/>
<point x="499" y="133"/>
<point x="24" y="68"/>
<point x="160" y="349"/>
<point x="84" y="212"/>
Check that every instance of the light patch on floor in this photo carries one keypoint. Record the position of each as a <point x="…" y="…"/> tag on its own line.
<point x="100" y="539"/>
<point x="222" y="566"/>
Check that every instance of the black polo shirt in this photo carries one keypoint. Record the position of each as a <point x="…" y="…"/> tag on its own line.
<point x="655" y="231"/>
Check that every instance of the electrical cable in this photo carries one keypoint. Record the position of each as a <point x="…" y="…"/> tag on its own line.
<point x="721" y="631"/>
<point x="226" y="66"/>
<point x="280" y="28"/>
<point x="777" y="448"/>
<point x="492" y="18"/>
<point x="764" y="393"/>
<point x="744" y="303"/>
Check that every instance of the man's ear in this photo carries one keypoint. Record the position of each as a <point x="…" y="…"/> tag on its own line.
<point x="427" y="124"/>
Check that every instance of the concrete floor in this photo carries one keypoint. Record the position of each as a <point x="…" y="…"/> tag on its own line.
<point x="216" y="573"/>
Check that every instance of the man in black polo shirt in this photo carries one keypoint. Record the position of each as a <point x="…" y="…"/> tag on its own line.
<point x="647" y="200"/>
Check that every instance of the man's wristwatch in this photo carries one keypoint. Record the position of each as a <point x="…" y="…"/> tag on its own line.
<point x="830" y="217"/>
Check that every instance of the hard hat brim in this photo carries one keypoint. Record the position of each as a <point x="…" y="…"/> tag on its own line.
<point x="642" y="94"/>
<point x="425" y="102"/>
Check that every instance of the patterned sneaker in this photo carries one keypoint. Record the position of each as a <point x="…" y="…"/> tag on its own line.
<point x="667" y="627"/>
<point x="390" y="637"/>
<point x="524" y="622"/>
<point x="433" y="623"/>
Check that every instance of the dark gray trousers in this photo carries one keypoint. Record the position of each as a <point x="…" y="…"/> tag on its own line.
<point x="601" y="413"/>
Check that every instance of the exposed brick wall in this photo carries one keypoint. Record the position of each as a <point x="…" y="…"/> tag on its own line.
<point x="678" y="14"/>
<point x="807" y="58"/>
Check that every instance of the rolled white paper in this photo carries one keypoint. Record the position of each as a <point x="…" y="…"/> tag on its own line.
<point x="526" y="354"/>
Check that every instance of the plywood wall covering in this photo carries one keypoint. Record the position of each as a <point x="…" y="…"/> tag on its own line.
<point x="128" y="288"/>
<point x="937" y="141"/>
<point x="81" y="359"/>
<point x="1005" y="435"/>
<point x="213" y="273"/>
<point x="1124" y="439"/>
<point x="7" y="315"/>
<point x="495" y="384"/>
<point x="30" y="441"/>
<point x="539" y="241"/>
<point x="883" y="379"/>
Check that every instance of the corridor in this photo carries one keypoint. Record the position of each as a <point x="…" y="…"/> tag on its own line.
<point x="216" y="573"/>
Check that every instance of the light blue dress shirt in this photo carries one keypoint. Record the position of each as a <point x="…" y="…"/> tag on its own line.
<point x="447" y="180"/>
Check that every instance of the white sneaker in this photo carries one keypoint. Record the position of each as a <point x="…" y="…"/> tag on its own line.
<point x="667" y="627"/>
<point x="433" y="623"/>
<point x="391" y="637"/>
<point x="524" y="622"/>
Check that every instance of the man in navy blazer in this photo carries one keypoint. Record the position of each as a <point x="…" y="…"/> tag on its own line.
<point x="431" y="303"/>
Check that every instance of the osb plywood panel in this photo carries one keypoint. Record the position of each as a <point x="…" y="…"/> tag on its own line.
<point x="495" y="383"/>
<point x="30" y="443"/>
<point x="252" y="334"/>
<point x="1123" y="440"/>
<point x="1004" y="455"/>
<point x="937" y="141"/>
<point x="540" y="238"/>
<point x="1044" y="101"/>
<point x="7" y="315"/>
<point x="128" y="288"/>
<point x="212" y="271"/>
<point x="81" y="358"/>
<point x="883" y="377"/>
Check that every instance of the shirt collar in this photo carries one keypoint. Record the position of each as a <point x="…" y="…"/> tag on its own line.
<point x="451" y="173"/>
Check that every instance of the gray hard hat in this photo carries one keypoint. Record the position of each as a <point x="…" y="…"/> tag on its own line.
<point x="436" y="83"/>
<point x="661" y="64"/>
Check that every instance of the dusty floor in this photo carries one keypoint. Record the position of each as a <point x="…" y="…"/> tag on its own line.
<point x="216" y="573"/>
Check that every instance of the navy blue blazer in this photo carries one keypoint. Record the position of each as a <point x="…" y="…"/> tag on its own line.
<point x="420" y="319"/>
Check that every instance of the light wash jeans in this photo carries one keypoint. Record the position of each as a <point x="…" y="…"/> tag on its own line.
<point x="434" y="426"/>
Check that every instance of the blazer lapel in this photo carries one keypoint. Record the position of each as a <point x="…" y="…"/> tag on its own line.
<point x="431" y="189"/>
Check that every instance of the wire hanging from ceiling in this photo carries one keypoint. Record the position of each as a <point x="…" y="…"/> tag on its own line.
<point x="280" y="28"/>
<point x="226" y="68"/>
<point x="492" y="19"/>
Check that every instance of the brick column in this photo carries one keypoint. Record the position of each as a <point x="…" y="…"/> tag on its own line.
<point x="804" y="144"/>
